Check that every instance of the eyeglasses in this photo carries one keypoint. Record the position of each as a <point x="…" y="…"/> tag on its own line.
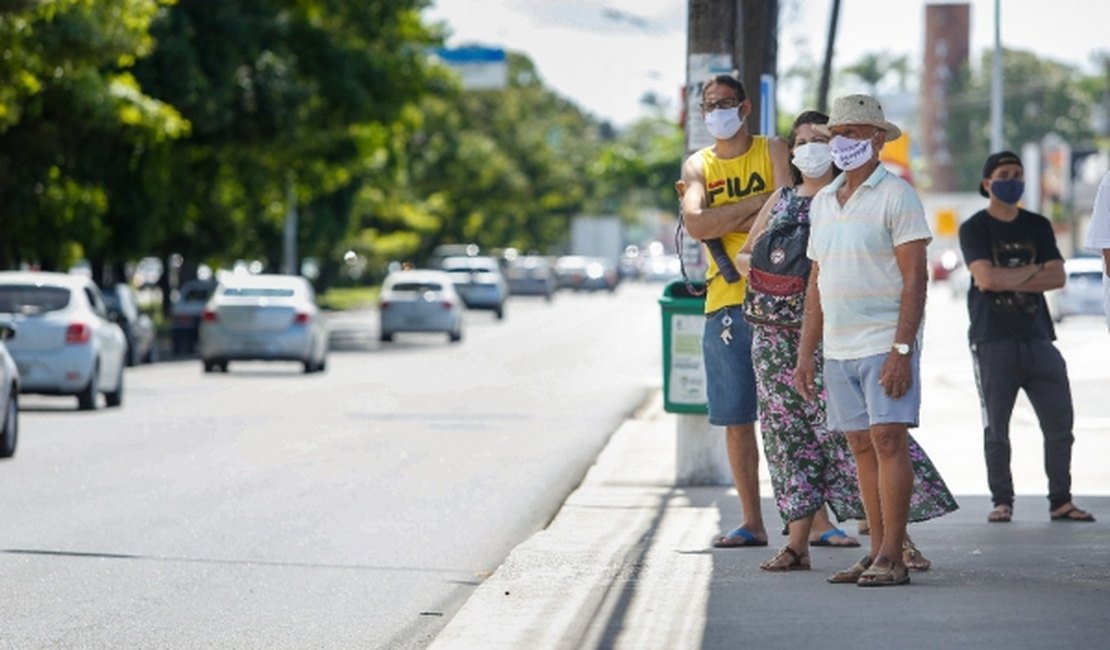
<point x="726" y="103"/>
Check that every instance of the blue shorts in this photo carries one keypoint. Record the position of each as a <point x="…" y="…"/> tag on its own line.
<point x="856" y="400"/>
<point x="729" y="376"/>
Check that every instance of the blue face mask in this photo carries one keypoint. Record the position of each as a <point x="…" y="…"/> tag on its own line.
<point x="1008" y="191"/>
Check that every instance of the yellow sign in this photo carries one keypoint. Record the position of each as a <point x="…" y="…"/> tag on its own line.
<point x="947" y="224"/>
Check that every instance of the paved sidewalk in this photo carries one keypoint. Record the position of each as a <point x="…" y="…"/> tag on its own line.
<point x="627" y="563"/>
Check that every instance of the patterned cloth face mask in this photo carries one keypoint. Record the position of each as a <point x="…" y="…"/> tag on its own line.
<point x="849" y="154"/>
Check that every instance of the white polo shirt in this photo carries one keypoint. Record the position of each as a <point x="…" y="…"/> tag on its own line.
<point x="859" y="278"/>
<point x="1098" y="237"/>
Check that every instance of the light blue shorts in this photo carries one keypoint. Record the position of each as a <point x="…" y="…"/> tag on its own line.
<point x="729" y="375"/>
<point x="856" y="400"/>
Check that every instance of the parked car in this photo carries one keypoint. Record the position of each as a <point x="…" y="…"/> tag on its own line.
<point x="420" y="300"/>
<point x="66" y="345"/>
<point x="584" y="273"/>
<point x="1082" y="292"/>
<point x="186" y="312"/>
<point x="9" y="394"/>
<point x="531" y="275"/>
<point x="266" y="317"/>
<point x="142" y="337"/>
<point x="661" y="268"/>
<point x="479" y="282"/>
<point x="443" y="251"/>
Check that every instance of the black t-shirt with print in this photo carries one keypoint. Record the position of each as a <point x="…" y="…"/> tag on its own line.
<point x="1001" y="315"/>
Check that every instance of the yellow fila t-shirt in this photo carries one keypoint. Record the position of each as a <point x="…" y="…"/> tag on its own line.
<point x="729" y="181"/>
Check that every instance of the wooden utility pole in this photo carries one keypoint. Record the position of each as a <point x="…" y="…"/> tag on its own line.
<point x="728" y="36"/>
<point x="826" y="66"/>
<point x="724" y="36"/>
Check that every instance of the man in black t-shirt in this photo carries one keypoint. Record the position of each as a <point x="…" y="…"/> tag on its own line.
<point x="1013" y="259"/>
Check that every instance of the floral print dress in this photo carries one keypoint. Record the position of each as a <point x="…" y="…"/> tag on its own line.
<point x="810" y="465"/>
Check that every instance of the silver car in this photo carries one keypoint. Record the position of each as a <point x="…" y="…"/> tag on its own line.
<point x="263" y="317"/>
<point x="142" y="336"/>
<point x="1081" y="294"/>
<point x="66" y="345"/>
<point x="420" y="301"/>
<point x="9" y="394"/>
<point x="479" y="282"/>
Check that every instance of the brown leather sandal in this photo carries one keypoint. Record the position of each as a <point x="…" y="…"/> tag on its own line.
<point x="913" y="558"/>
<point x="851" y="574"/>
<point x="787" y="559"/>
<point x="885" y="576"/>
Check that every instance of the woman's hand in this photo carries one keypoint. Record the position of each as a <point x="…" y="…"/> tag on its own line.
<point x="743" y="263"/>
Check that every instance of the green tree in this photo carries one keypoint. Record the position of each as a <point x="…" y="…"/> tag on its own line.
<point x="71" y="115"/>
<point x="1040" y="97"/>
<point x="277" y="91"/>
<point x="500" y="168"/>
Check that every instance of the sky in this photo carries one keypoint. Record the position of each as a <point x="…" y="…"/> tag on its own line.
<point x="606" y="54"/>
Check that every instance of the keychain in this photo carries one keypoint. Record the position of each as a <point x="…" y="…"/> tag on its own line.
<point x="726" y="333"/>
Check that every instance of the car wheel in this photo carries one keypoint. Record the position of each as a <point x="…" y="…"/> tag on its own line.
<point x="213" y="366"/>
<point x="9" y="435"/>
<point x="115" y="398"/>
<point x="86" y="399"/>
<point x="386" y="337"/>
<point x="500" y="313"/>
<point x="455" y="336"/>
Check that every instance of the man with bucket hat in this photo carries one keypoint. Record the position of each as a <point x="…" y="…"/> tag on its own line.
<point x="1013" y="259"/>
<point x="866" y="304"/>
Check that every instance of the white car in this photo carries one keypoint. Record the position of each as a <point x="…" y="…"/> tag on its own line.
<point x="1081" y="294"/>
<point x="419" y="300"/>
<point x="264" y="317"/>
<point x="9" y="394"/>
<point x="66" y="345"/>
<point x="479" y="282"/>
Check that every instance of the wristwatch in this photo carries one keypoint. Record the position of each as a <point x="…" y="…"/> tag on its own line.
<point x="902" y="348"/>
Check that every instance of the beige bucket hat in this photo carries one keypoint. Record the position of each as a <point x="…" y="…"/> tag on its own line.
<point x="860" y="109"/>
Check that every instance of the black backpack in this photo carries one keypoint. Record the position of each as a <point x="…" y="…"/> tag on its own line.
<point x="778" y="276"/>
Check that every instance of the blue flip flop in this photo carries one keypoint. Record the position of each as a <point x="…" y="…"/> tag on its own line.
<point x="826" y="539"/>
<point x="738" y="537"/>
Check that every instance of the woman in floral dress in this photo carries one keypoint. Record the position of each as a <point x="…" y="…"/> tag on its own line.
<point x="809" y="465"/>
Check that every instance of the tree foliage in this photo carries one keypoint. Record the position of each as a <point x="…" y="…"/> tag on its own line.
<point x="136" y="127"/>
<point x="1040" y="97"/>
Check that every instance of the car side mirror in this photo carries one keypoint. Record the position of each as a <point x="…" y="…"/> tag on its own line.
<point x="7" y="331"/>
<point x="115" y="315"/>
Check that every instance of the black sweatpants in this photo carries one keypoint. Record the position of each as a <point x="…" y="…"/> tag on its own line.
<point x="1037" y="367"/>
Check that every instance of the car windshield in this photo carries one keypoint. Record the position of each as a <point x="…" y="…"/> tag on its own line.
<point x="196" y="294"/>
<point x="258" y="292"/>
<point x="25" y="299"/>
<point x="417" y="287"/>
<point x="1087" y="276"/>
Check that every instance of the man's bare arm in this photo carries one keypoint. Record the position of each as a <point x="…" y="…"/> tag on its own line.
<point x="780" y="162"/>
<point x="911" y="257"/>
<point x="813" y="324"/>
<point x="703" y="222"/>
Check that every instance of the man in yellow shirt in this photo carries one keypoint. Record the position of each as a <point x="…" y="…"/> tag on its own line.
<point x="725" y="187"/>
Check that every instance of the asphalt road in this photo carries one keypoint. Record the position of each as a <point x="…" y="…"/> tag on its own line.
<point x="355" y="508"/>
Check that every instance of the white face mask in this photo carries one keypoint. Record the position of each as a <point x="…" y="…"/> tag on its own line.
<point x="813" y="159"/>
<point x="849" y="154"/>
<point x="723" y="123"/>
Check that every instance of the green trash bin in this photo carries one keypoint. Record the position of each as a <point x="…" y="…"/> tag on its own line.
<point x="683" y="364"/>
